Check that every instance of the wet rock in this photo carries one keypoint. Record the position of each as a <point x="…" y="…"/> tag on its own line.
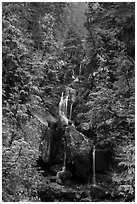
<point x="51" y="140"/>
<point x="45" y="146"/>
<point x="46" y="195"/>
<point x="78" y="148"/>
<point x="77" y="196"/>
<point x="98" y="192"/>
<point x="54" y="169"/>
<point x="82" y="165"/>
<point x="56" y="192"/>
<point x="64" y="176"/>
<point x="86" y="200"/>
<point x="85" y="194"/>
<point x="51" y="146"/>
<point x="85" y="129"/>
<point x="103" y="160"/>
<point x="78" y="152"/>
<point x="68" y="194"/>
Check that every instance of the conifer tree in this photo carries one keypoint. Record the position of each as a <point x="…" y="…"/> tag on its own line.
<point x="73" y="46"/>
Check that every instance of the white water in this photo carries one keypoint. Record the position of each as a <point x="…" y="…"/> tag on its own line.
<point x="65" y="111"/>
<point x="80" y="69"/>
<point x="70" y="111"/>
<point x="63" y="106"/>
<point x="94" y="176"/>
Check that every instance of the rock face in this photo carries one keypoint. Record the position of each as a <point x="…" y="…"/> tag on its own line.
<point x="98" y="192"/>
<point x="85" y="129"/>
<point x="55" y="192"/>
<point x="102" y="160"/>
<point x="78" y="149"/>
<point x="57" y="139"/>
<point x="52" y="144"/>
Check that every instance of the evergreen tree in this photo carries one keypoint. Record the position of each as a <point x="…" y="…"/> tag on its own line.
<point x="111" y="31"/>
<point x="73" y="50"/>
<point x="73" y="46"/>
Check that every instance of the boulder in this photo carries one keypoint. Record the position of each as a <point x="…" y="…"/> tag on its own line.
<point x="44" y="147"/>
<point x="56" y="192"/>
<point x="78" y="149"/>
<point x="57" y="139"/>
<point x="98" y="192"/>
<point x="52" y="146"/>
<point x="85" y="194"/>
<point x="85" y="129"/>
<point x="103" y="160"/>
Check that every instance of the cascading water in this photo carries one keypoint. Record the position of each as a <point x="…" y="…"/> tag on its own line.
<point x="96" y="190"/>
<point x="63" y="105"/>
<point x="70" y="111"/>
<point x="66" y="103"/>
<point x="70" y="94"/>
<point x="80" y="70"/>
<point x="94" y="173"/>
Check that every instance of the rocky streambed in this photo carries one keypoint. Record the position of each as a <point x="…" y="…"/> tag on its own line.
<point x="67" y="146"/>
<point x="77" y="191"/>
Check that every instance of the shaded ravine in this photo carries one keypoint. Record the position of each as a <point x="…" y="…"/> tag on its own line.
<point x="63" y="180"/>
<point x="99" y="186"/>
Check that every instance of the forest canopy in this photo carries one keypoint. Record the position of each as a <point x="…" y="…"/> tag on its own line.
<point x="46" y="46"/>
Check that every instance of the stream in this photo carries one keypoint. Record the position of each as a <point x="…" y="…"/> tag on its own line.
<point x="79" y="171"/>
<point x="61" y="184"/>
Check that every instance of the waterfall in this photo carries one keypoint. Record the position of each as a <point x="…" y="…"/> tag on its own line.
<point x="63" y="106"/>
<point x="70" y="111"/>
<point x="94" y="176"/>
<point x="70" y="95"/>
<point x="80" y="69"/>
<point x="66" y="104"/>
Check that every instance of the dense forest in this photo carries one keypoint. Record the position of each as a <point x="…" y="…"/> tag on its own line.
<point x="86" y="52"/>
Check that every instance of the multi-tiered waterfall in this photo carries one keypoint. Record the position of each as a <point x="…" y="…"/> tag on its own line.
<point x="65" y="113"/>
<point x="65" y="110"/>
<point x="63" y="106"/>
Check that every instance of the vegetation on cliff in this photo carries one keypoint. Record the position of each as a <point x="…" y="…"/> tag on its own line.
<point x="43" y="51"/>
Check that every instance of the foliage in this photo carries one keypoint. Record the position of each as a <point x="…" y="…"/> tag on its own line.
<point x="42" y="50"/>
<point x="73" y="45"/>
<point x="111" y="102"/>
<point x="20" y="178"/>
<point x="15" y="53"/>
<point x="72" y="53"/>
<point x="28" y="29"/>
<point x="115" y="71"/>
<point x="113" y="17"/>
<point x="126" y="179"/>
